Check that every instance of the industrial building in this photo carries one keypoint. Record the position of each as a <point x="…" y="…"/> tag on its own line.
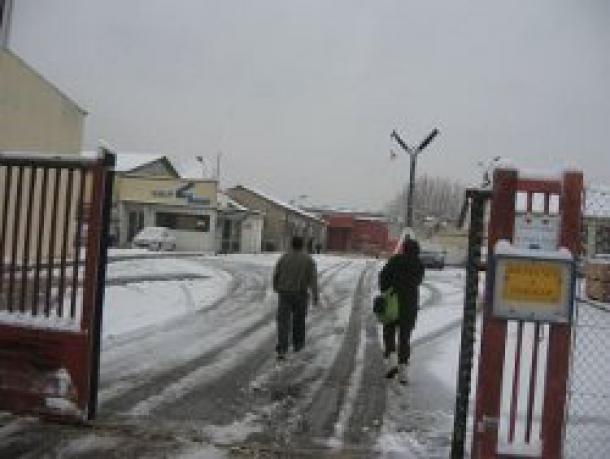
<point x="150" y="192"/>
<point x="239" y="229"/>
<point x="353" y="231"/>
<point x="281" y="221"/>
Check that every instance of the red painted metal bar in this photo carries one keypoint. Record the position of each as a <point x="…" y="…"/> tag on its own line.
<point x="540" y="186"/>
<point x="532" y="387"/>
<point x="493" y="337"/>
<point x="5" y="219"/>
<point x="553" y="415"/>
<point x="41" y="231"/>
<point x="64" y="245"/>
<point x="27" y="237"/>
<point x="15" y="238"/>
<point x="109" y="162"/>
<point x="51" y="251"/>
<point x="94" y="223"/>
<point x="516" y="375"/>
<point x="78" y="242"/>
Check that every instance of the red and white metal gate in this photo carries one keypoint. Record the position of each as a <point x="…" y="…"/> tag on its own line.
<point x="522" y="377"/>
<point x="54" y="214"/>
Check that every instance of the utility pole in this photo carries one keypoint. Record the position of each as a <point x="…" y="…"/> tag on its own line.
<point x="6" y="12"/>
<point x="413" y="153"/>
<point x="218" y="156"/>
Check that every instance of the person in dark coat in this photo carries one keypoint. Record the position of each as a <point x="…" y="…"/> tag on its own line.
<point x="404" y="272"/>
<point x="294" y="276"/>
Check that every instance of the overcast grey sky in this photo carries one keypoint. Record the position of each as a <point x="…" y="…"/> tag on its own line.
<point x="301" y="95"/>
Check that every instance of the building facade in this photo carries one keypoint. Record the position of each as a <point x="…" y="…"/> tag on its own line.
<point x="596" y="224"/>
<point x="281" y="221"/>
<point x="148" y="191"/>
<point x="361" y="232"/>
<point x="35" y="116"/>
<point x="187" y="207"/>
<point x="239" y="229"/>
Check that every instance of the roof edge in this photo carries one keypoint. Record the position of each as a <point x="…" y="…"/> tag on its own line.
<point x="38" y="74"/>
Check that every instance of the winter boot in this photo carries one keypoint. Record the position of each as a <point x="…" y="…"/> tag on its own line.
<point x="391" y="365"/>
<point x="402" y="373"/>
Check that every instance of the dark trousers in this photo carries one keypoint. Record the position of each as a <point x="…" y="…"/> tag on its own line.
<point x="404" y="326"/>
<point x="291" y="312"/>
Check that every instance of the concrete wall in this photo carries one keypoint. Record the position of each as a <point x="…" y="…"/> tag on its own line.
<point x="34" y="114"/>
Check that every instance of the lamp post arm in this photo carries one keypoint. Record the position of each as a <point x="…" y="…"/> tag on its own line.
<point x="401" y="142"/>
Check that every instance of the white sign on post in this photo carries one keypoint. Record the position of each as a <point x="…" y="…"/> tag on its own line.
<point x="534" y="231"/>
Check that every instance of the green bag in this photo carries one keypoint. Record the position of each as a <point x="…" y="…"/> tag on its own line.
<point x="389" y="313"/>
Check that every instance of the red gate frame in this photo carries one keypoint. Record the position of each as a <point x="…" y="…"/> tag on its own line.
<point x="27" y="353"/>
<point x="493" y="337"/>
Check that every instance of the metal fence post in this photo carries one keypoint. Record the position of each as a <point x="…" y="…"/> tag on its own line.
<point x="109" y="161"/>
<point x="477" y="198"/>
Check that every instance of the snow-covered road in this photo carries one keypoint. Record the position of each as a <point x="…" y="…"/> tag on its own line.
<point x="188" y="368"/>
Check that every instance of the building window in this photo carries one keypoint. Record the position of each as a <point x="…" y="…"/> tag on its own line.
<point x="183" y="222"/>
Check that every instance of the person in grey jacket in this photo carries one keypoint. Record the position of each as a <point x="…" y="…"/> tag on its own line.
<point x="295" y="274"/>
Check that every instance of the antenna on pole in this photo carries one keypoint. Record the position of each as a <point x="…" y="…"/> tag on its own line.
<point x="218" y="157"/>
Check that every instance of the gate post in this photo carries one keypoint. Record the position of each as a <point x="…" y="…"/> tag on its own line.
<point x="528" y="283"/>
<point x="553" y="415"/>
<point x="493" y="339"/>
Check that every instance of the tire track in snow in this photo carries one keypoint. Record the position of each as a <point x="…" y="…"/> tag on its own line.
<point x="219" y="397"/>
<point x="320" y="394"/>
<point x="139" y="393"/>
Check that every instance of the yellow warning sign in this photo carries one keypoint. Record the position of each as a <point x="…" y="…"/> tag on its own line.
<point x="532" y="282"/>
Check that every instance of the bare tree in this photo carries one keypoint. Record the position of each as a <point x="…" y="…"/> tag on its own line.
<point x="437" y="200"/>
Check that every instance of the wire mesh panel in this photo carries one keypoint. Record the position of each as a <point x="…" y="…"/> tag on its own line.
<point x="588" y="428"/>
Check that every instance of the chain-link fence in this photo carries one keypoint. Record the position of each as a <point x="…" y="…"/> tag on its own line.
<point x="588" y="427"/>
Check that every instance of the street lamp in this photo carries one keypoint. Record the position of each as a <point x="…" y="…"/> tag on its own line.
<point x="202" y="161"/>
<point x="298" y="200"/>
<point x="413" y="160"/>
<point x="488" y="168"/>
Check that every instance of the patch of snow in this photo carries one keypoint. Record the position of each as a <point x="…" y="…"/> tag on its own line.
<point x="227" y="360"/>
<point x="40" y="321"/>
<point x="201" y="452"/>
<point x="504" y="247"/>
<point x="61" y="405"/>
<point x="347" y="407"/>
<point x="139" y="305"/>
<point x="233" y="433"/>
<point x="88" y="443"/>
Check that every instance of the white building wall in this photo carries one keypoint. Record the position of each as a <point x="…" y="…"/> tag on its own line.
<point x="252" y="234"/>
<point x="195" y="241"/>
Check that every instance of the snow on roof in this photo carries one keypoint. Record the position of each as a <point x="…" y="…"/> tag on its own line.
<point x="281" y="203"/>
<point x="225" y="201"/>
<point x="597" y="202"/>
<point x="126" y="162"/>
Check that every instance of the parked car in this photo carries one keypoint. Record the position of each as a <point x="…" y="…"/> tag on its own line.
<point x="432" y="257"/>
<point x="154" y="238"/>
